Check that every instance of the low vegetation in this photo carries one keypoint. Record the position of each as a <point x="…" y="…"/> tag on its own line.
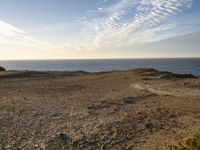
<point x="191" y="144"/>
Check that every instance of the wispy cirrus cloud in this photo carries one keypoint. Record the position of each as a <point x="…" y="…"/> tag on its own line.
<point x="12" y="35"/>
<point x="132" y="21"/>
<point x="118" y="24"/>
<point x="9" y="30"/>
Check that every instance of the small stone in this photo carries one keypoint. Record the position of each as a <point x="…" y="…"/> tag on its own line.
<point x="150" y="126"/>
<point x="41" y="146"/>
<point x="64" y="137"/>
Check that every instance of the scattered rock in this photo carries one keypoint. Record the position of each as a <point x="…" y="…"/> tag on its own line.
<point x="83" y="113"/>
<point x="60" y="141"/>
<point x="147" y="72"/>
<point x="147" y="78"/>
<point x="41" y="146"/>
<point x="64" y="137"/>
<point x="131" y="100"/>
<point x="150" y="126"/>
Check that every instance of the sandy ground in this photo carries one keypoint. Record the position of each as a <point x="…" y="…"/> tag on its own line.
<point x="139" y="109"/>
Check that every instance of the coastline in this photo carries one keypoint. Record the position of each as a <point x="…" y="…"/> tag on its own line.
<point x="81" y="72"/>
<point x="180" y="66"/>
<point x="106" y="110"/>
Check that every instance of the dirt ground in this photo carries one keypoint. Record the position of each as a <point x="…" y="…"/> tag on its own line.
<point x="140" y="109"/>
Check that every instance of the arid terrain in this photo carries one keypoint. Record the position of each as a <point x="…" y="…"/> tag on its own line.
<point x="140" y="109"/>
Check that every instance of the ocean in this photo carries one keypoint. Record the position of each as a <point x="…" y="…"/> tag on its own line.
<point x="182" y="65"/>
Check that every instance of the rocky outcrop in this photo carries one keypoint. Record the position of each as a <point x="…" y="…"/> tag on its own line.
<point x="176" y="76"/>
<point x="2" y="69"/>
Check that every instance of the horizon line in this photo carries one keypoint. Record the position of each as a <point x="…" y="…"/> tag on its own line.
<point x="198" y="57"/>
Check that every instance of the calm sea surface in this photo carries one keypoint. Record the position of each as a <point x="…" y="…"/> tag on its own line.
<point x="189" y="65"/>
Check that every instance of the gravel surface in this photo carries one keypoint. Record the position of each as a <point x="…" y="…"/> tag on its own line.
<point x="123" y="110"/>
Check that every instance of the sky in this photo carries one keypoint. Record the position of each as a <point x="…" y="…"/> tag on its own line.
<point x="95" y="29"/>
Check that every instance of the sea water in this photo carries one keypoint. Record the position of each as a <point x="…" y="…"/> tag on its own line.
<point x="182" y="65"/>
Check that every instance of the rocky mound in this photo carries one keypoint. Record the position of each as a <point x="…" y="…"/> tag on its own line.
<point x="2" y="69"/>
<point x="147" y="72"/>
<point x="162" y="74"/>
<point x="177" y="76"/>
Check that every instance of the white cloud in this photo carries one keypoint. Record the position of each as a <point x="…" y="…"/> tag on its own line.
<point x="131" y="21"/>
<point x="125" y="23"/>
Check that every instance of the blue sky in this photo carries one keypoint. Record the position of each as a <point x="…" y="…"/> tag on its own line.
<point x="80" y="29"/>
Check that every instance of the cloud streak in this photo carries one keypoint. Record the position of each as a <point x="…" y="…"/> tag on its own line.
<point x="12" y="35"/>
